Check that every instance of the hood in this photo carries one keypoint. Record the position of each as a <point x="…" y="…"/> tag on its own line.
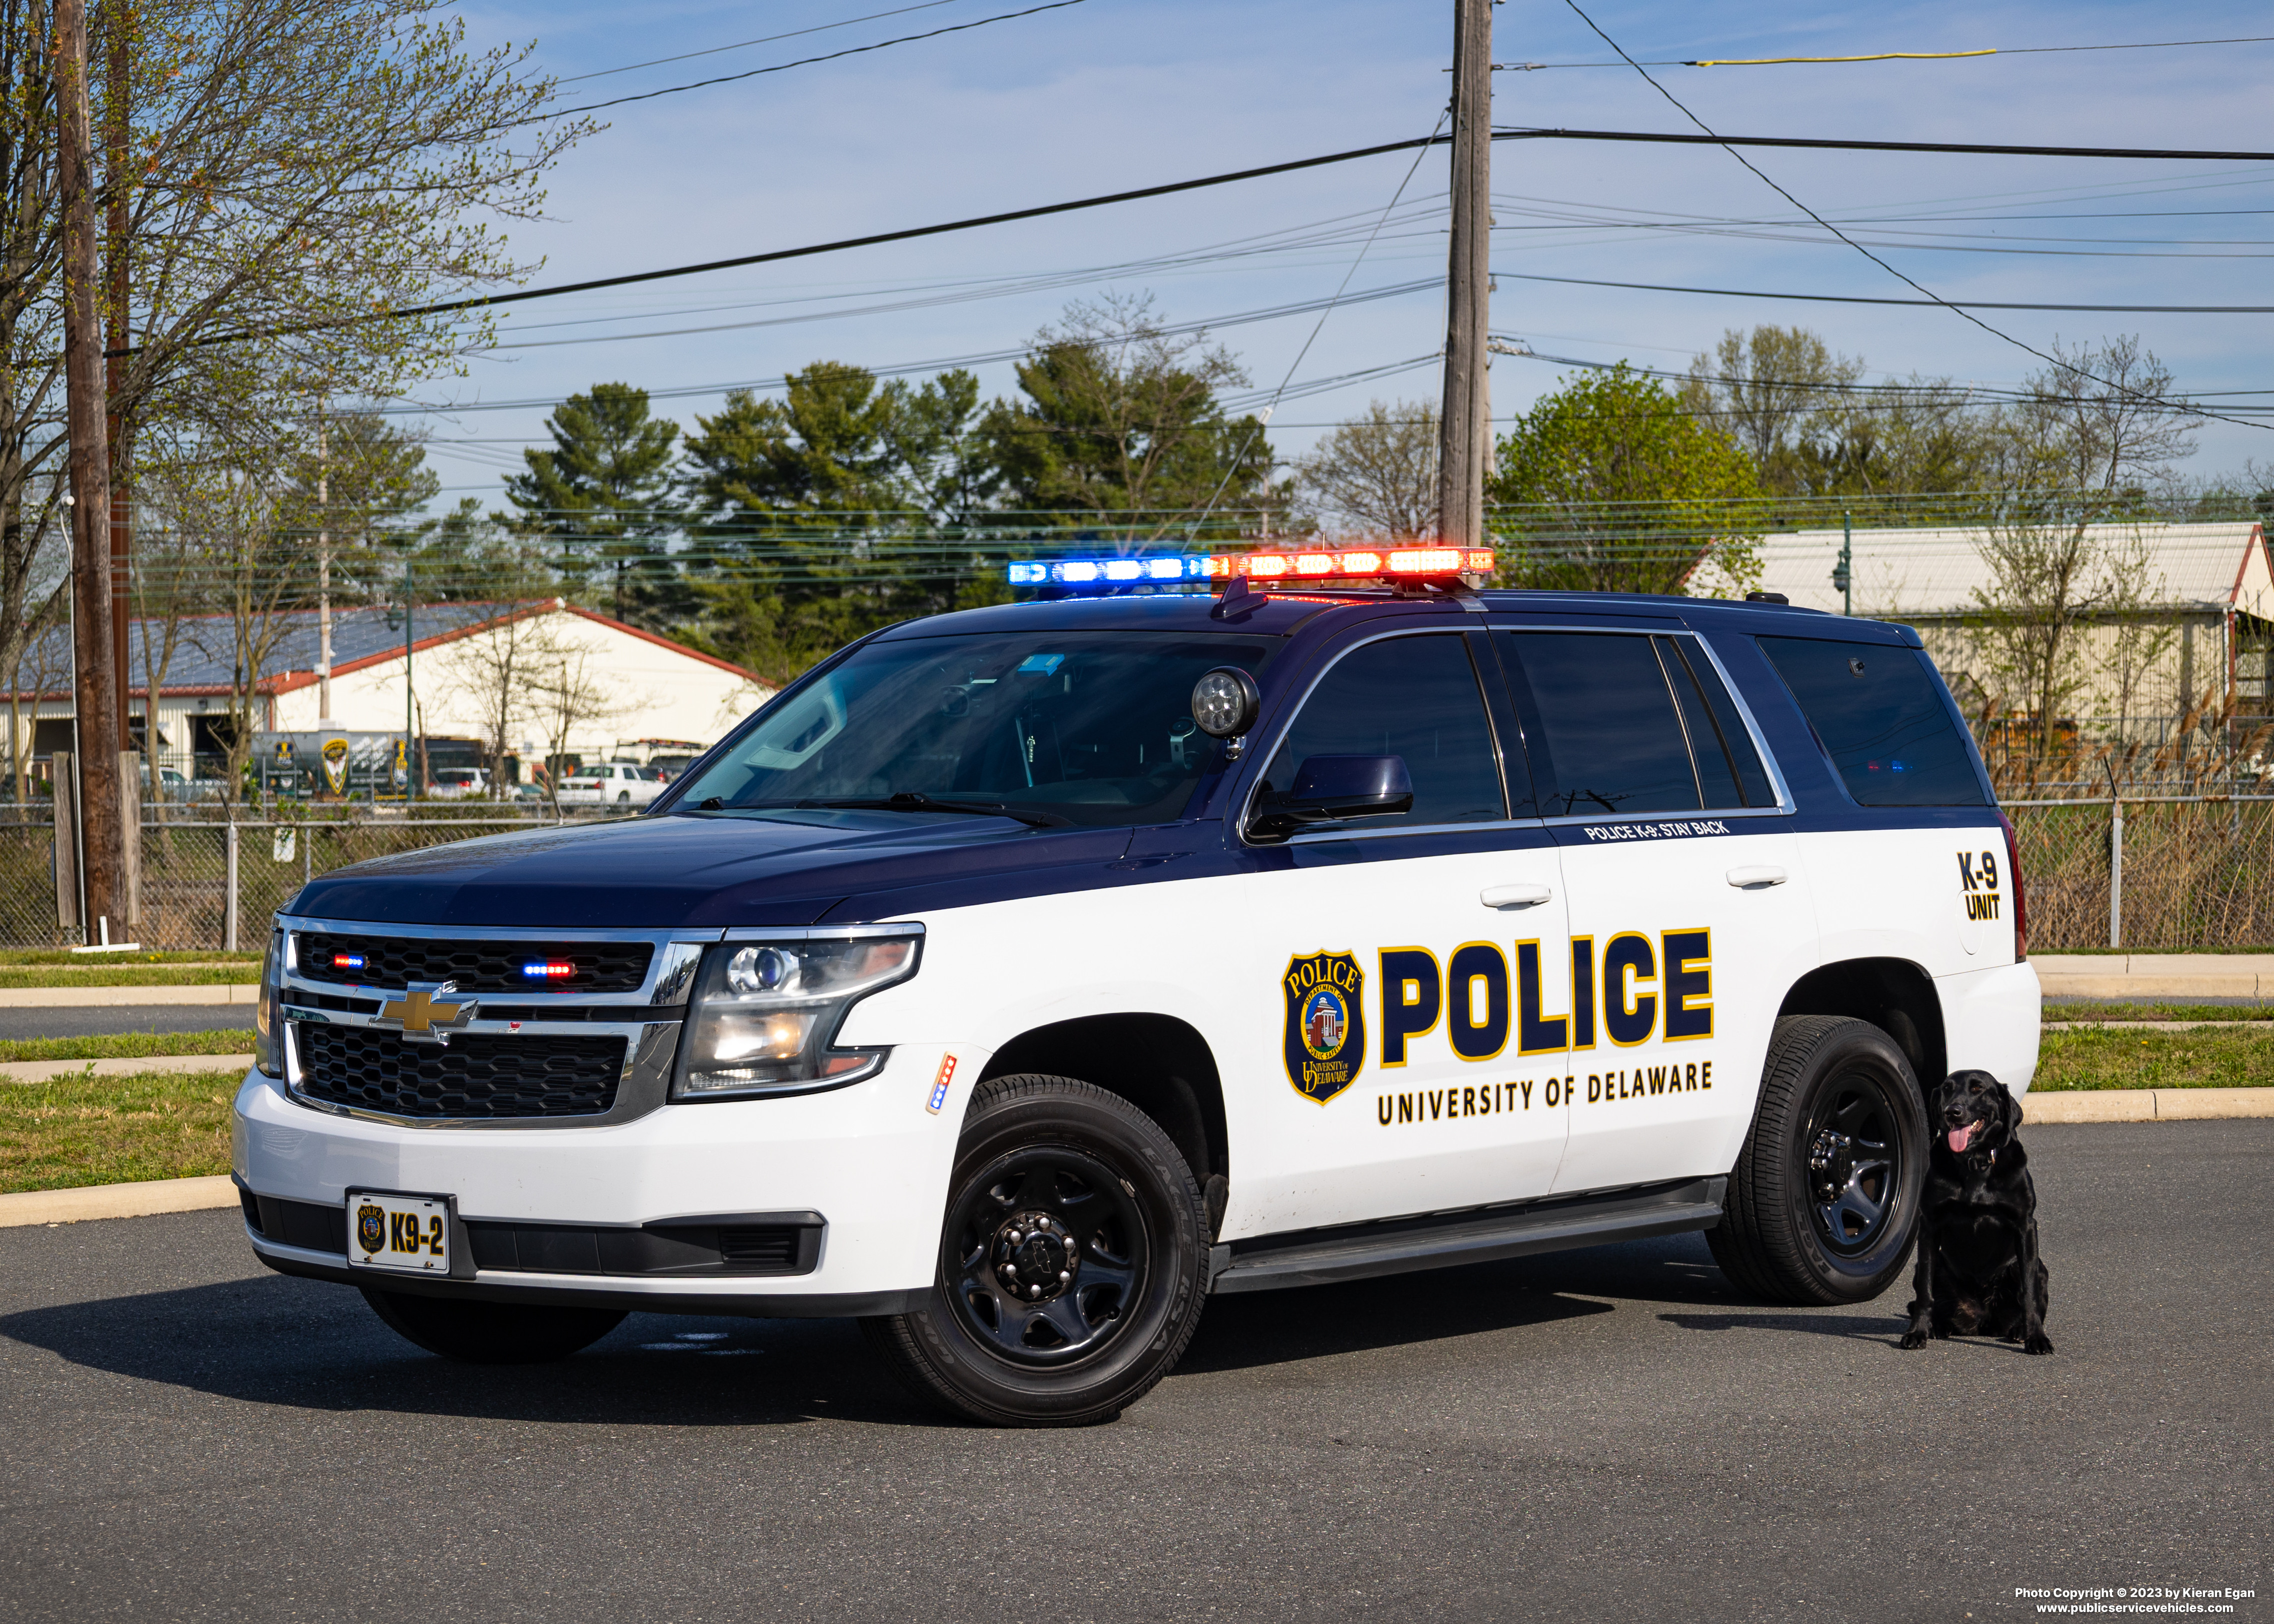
<point x="691" y="872"/>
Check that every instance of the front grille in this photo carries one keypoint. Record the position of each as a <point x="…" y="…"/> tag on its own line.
<point x="476" y="966"/>
<point x="479" y="1076"/>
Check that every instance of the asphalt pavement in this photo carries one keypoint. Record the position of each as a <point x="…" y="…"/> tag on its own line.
<point x="106" y="1020"/>
<point x="1611" y="1433"/>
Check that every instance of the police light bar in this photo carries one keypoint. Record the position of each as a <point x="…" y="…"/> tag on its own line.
<point x="1353" y="563"/>
<point x="1108" y="571"/>
<point x="347" y="961"/>
<point x="548" y="969"/>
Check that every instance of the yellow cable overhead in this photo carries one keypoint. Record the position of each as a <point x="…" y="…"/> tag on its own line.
<point x="1762" y="62"/>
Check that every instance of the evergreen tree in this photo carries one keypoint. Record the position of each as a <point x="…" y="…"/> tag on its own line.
<point x="601" y="496"/>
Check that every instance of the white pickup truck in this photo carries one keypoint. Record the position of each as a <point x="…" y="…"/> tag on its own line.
<point x="611" y="784"/>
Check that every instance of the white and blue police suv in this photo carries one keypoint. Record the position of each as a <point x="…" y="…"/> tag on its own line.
<point x="1019" y="977"/>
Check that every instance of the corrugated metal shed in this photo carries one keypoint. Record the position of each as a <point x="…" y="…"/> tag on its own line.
<point x="1936" y="574"/>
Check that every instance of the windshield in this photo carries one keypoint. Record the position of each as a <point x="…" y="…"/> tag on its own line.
<point x="1095" y="728"/>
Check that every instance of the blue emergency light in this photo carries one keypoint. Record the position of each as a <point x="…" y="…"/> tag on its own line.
<point x="1108" y="571"/>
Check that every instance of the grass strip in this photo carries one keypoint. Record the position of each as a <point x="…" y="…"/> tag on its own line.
<point x="2118" y="1058"/>
<point x="92" y="961"/>
<point x="2159" y="1012"/>
<point x="113" y="1129"/>
<point x="129" y="976"/>
<point x="128" y="1046"/>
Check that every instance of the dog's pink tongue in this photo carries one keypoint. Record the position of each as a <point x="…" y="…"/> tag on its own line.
<point x="1958" y="1137"/>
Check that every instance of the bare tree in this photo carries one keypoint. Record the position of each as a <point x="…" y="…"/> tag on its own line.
<point x="495" y="669"/>
<point x="570" y="695"/>
<point x="2098" y="425"/>
<point x="1378" y="472"/>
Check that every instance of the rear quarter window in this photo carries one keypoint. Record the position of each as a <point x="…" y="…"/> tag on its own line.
<point x="1881" y="715"/>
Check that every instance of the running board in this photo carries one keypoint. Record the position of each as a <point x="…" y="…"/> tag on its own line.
<point x="1319" y="1257"/>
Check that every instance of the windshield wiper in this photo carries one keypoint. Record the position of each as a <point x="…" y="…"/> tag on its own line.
<point x="915" y="801"/>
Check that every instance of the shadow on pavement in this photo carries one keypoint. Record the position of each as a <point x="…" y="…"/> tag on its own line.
<point x="272" y="1340"/>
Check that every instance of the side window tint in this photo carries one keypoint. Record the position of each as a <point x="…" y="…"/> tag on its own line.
<point x="1606" y="715"/>
<point x="1880" y="716"/>
<point x="1415" y="697"/>
<point x="1729" y="770"/>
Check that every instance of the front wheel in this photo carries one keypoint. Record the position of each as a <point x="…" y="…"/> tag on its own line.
<point x="1071" y="1266"/>
<point x="1824" y="1201"/>
<point x="482" y="1332"/>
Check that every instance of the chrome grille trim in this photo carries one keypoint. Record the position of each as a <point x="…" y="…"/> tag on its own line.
<point x="650" y="1046"/>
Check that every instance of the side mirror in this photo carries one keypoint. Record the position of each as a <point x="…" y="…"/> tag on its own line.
<point x="1329" y="789"/>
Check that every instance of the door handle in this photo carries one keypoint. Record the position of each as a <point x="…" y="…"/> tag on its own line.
<point x="1757" y="876"/>
<point x="1528" y="894"/>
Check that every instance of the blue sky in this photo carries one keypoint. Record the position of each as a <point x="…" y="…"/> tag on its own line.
<point x="1114" y="94"/>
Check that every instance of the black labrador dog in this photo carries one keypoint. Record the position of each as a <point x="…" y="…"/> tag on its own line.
<point x="1978" y="1272"/>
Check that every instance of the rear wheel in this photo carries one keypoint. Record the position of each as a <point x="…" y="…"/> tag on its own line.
<point x="1071" y="1262"/>
<point x="1822" y="1204"/>
<point x="483" y="1333"/>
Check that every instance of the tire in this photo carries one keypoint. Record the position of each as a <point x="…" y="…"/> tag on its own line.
<point x="483" y="1333"/>
<point x="1096" y="1195"/>
<point x="623" y="798"/>
<point x="1823" y="1205"/>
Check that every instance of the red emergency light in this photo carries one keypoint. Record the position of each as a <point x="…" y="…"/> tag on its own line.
<point x="1352" y="563"/>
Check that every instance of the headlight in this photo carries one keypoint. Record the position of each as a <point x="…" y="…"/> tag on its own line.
<point x="267" y="1038"/>
<point x="765" y="1014"/>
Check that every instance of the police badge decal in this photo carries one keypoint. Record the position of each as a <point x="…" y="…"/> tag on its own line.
<point x="370" y="1227"/>
<point x="1326" y="1026"/>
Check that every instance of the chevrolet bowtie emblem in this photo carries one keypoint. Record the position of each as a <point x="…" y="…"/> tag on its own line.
<point x="422" y="1019"/>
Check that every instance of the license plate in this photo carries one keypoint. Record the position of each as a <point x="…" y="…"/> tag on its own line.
<point x="407" y="1232"/>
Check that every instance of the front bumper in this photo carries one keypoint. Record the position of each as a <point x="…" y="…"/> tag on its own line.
<point x="868" y="1161"/>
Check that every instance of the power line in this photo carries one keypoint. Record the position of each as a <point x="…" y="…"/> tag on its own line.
<point x="803" y="61"/>
<point x="657" y="62"/>
<point x="2006" y="50"/>
<point x="489" y="300"/>
<point x="1932" y="302"/>
<point x="1972" y="148"/>
<point x="2053" y="361"/>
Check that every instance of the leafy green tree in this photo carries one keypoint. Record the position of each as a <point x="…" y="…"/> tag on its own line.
<point x="601" y="494"/>
<point x="1812" y="428"/>
<point x="1617" y="488"/>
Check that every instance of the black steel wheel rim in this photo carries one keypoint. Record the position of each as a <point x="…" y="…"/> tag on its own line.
<point x="1046" y="1256"/>
<point x="1854" y="1163"/>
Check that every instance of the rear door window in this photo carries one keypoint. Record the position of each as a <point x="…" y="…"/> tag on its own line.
<point x="1415" y="697"/>
<point x="1880" y="716"/>
<point x="1607" y="721"/>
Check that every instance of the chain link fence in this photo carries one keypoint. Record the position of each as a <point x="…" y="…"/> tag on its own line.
<point x="2177" y="872"/>
<point x="211" y="883"/>
<point x="2194" y="872"/>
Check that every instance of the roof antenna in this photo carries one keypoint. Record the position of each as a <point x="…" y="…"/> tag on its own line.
<point x="1238" y="600"/>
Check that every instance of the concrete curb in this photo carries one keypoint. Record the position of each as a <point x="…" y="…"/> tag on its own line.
<point x="83" y="998"/>
<point x="47" y="1071"/>
<point x="2133" y="976"/>
<point x="2145" y="1104"/>
<point x="139" y="1200"/>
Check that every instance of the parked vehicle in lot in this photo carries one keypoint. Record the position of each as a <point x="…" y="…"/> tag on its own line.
<point x="611" y="784"/>
<point x="460" y="784"/>
<point x="1021" y="977"/>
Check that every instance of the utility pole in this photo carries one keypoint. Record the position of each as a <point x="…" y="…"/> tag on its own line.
<point x="1843" y="573"/>
<point x="1463" y="425"/>
<point x="323" y="571"/>
<point x="95" y="698"/>
<point x="122" y="509"/>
